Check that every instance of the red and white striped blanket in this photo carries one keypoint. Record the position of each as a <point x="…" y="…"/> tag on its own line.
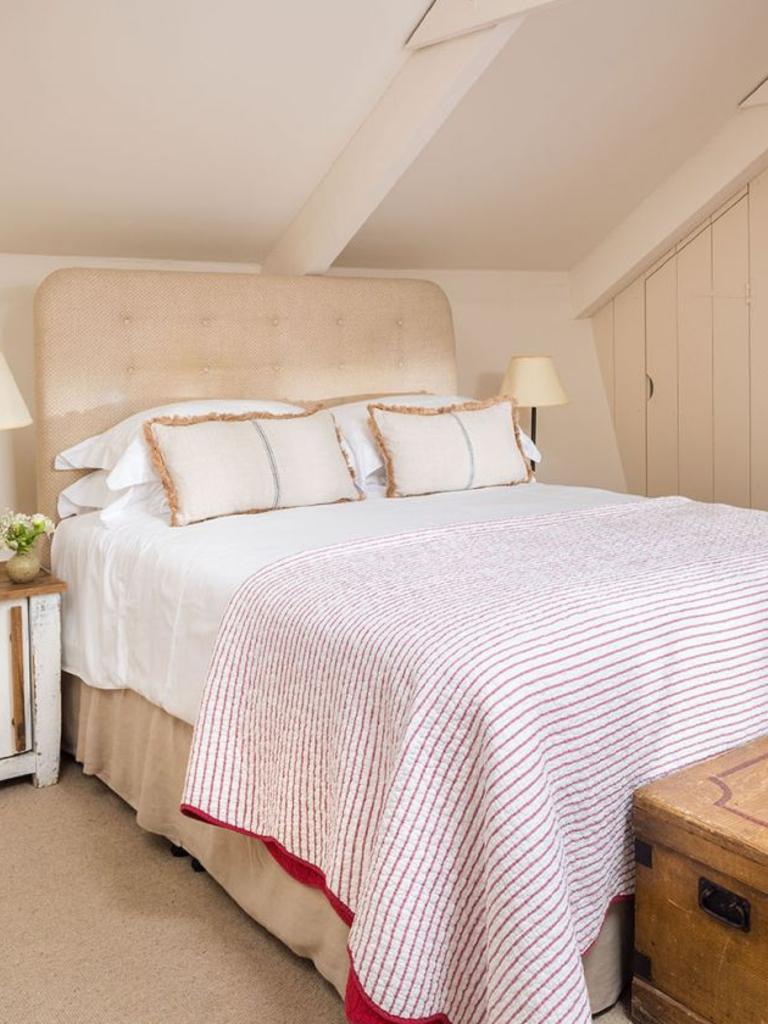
<point x="445" y="728"/>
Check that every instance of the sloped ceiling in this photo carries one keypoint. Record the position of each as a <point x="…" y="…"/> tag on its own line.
<point x="196" y="129"/>
<point x="180" y="128"/>
<point x="592" y="104"/>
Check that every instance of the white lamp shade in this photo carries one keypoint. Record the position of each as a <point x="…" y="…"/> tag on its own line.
<point x="533" y="381"/>
<point x="13" y="408"/>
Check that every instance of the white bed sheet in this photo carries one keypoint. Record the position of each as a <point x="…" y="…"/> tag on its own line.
<point x="145" y="600"/>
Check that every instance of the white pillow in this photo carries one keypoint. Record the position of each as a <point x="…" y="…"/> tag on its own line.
<point x="354" y="423"/>
<point x="449" y="448"/>
<point x="222" y="465"/>
<point x="142" y="499"/>
<point x="123" y="449"/>
<point x="92" y="493"/>
<point x="86" y="494"/>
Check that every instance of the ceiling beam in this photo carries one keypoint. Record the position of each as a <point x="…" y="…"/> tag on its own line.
<point x="685" y="199"/>
<point x="758" y="96"/>
<point x="418" y="100"/>
<point x="447" y="19"/>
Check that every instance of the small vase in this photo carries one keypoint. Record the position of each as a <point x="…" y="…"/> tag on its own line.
<point x="22" y="567"/>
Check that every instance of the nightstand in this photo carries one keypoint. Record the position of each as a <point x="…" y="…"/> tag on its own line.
<point x="30" y="678"/>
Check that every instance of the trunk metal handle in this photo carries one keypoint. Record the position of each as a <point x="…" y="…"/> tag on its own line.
<point x="725" y="906"/>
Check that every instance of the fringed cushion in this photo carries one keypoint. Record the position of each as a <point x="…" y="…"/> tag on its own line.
<point x="450" y="448"/>
<point x="220" y="465"/>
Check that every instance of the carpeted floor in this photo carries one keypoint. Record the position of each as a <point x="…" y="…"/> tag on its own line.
<point x="100" y="925"/>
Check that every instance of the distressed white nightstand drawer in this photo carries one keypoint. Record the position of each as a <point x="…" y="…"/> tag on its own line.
<point x="15" y="688"/>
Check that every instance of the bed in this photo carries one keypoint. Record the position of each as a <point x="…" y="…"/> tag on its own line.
<point x="143" y="607"/>
<point x="133" y="727"/>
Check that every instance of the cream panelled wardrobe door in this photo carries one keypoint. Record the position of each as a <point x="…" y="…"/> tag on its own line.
<point x="758" y="260"/>
<point x="661" y="367"/>
<point x="629" y="383"/>
<point x="695" y="452"/>
<point x="730" y="355"/>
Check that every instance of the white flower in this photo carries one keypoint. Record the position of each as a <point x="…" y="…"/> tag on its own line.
<point x="18" y="531"/>
<point x="39" y="520"/>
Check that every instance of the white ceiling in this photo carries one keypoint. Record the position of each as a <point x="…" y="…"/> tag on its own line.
<point x="180" y="128"/>
<point x="592" y="104"/>
<point x="196" y="129"/>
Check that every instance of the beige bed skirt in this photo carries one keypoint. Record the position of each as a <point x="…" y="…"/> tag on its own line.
<point x="141" y="752"/>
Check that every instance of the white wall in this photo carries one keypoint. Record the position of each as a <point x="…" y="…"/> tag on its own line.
<point x="501" y="313"/>
<point x="19" y="277"/>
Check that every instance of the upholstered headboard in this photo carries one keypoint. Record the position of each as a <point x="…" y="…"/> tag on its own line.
<point x="112" y="342"/>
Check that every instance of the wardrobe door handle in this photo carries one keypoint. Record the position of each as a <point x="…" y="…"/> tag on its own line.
<point x="651" y="386"/>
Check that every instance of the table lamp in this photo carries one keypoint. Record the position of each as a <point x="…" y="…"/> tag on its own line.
<point x="13" y="409"/>
<point x="533" y="381"/>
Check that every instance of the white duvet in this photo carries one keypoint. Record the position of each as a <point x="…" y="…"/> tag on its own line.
<point x="145" y="600"/>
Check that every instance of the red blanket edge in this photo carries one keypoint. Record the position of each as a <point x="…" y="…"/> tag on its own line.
<point x="359" y="1008"/>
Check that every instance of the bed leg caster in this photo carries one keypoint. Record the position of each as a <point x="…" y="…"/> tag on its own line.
<point x="196" y="865"/>
<point x="178" y="851"/>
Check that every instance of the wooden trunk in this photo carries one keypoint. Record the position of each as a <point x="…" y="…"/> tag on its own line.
<point x="701" y="912"/>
